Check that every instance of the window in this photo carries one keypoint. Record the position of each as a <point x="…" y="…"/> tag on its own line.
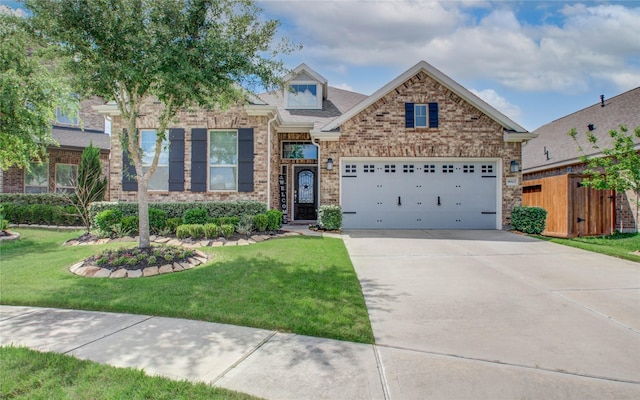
<point x="420" y="115"/>
<point x="350" y="169"/>
<point x="408" y="169"/>
<point x="65" y="119"/>
<point x="369" y="169"/>
<point x="303" y="95"/>
<point x="429" y="169"/>
<point x="66" y="178"/>
<point x="447" y="169"/>
<point x="160" y="179"/>
<point x="36" y="180"/>
<point x="468" y="169"/>
<point x="390" y="168"/>
<point x="223" y="160"/>
<point x="299" y="151"/>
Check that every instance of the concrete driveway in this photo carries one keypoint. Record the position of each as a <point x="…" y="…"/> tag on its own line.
<point x="491" y="314"/>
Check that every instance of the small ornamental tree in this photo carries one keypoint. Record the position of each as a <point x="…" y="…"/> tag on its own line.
<point x="90" y="186"/>
<point x="184" y="53"/>
<point x="617" y="167"/>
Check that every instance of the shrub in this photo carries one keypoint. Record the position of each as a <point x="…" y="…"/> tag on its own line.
<point x="107" y="218"/>
<point x="183" y="231"/>
<point x="229" y="220"/>
<point x="531" y="220"/>
<point x="4" y="224"/>
<point x="275" y="220"/>
<point x="157" y="220"/>
<point x="130" y="224"/>
<point x="245" y="225"/>
<point x="261" y="222"/>
<point x="196" y="216"/>
<point x="27" y="199"/>
<point x="172" y="224"/>
<point x="211" y="231"/>
<point x="330" y="217"/>
<point x="227" y="230"/>
<point x="196" y="231"/>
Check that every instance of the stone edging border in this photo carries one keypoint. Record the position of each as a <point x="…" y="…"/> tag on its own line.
<point x="12" y="236"/>
<point x="83" y="268"/>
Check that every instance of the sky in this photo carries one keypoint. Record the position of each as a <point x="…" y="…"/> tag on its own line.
<point x="535" y="61"/>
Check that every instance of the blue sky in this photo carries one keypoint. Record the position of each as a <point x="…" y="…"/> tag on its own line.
<point x="535" y="61"/>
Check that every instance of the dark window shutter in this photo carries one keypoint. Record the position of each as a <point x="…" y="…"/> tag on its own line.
<point x="245" y="160"/>
<point x="433" y="115"/>
<point x="409" y="115"/>
<point x="176" y="160"/>
<point x="129" y="182"/>
<point x="199" y="160"/>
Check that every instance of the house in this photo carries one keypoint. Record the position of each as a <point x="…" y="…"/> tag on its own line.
<point x="59" y="173"/>
<point x="552" y="171"/>
<point x="420" y="153"/>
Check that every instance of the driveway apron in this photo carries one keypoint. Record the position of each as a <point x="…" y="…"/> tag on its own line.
<point x="492" y="314"/>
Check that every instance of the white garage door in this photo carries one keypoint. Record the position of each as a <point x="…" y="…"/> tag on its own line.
<point x="401" y="194"/>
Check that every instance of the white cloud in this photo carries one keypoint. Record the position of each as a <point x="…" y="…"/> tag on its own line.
<point x="584" y="43"/>
<point x="499" y="103"/>
<point x="8" y="10"/>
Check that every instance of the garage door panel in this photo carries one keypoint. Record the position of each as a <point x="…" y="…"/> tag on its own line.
<point x="401" y="194"/>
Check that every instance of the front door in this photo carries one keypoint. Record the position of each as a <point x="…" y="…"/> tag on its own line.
<point x="304" y="195"/>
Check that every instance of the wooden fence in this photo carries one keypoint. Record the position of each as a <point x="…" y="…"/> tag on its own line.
<point x="572" y="208"/>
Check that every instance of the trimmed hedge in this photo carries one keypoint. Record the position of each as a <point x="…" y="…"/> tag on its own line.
<point x="215" y="209"/>
<point x="531" y="220"/>
<point x="50" y="199"/>
<point x="330" y="217"/>
<point x="42" y="214"/>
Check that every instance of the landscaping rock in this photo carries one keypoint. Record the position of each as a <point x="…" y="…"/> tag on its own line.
<point x="74" y="268"/>
<point x="91" y="271"/>
<point x="162" y="240"/>
<point x="217" y="243"/>
<point x="204" y="243"/>
<point x="201" y="254"/>
<point x="119" y="273"/>
<point x="174" y="242"/>
<point x="177" y="267"/>
<point x="150" y="271"/>
<point x="242" y="242"/>
<point x="103" y="241"/>
<point x="231" y="243"/>
<point x="203" y="260"/>
<point x="194" y="261"/>
<point x="136" y="273"/>
<point x="165" y="269"/>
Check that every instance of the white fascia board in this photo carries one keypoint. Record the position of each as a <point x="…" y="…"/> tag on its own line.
<point x="254" y="110"/>
<point x="110" y="109"/>
<point x="295" y="127"/>
<point x="511" y="137"/>
<point x="305" y="68"/>
<point x="325" y="136"/>
<point x="440" y="78"/>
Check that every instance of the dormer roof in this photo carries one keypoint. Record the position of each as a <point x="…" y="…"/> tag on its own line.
<point x="307" y="73"/>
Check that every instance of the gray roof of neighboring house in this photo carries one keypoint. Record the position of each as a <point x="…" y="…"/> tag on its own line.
<point x="562" y="150"/>
<point x="338" y="101"/>
<point x="74" y="138"/>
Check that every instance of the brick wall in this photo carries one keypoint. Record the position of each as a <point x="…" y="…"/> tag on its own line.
<point x="232" y="118"/>
<point x="464" y="131"/>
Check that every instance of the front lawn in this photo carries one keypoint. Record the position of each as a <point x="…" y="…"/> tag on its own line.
<point x="622" y="245"/>
<point x="302" y="284"/>
<point x="28" y="374"/>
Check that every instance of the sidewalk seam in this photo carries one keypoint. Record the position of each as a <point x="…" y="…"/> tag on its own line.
<point x="381" y="371"/>
<point x="507" y="364"/>
<point x="243" y="358"/>
<point x="106" y="336"/>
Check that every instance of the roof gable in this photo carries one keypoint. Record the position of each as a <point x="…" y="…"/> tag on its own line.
<point x="439" y="77"/>
<point x="555" y="148"/>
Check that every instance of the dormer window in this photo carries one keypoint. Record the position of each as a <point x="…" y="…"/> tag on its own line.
<point x="305" y="95"/>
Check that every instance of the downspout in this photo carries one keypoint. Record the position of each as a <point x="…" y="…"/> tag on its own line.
<point x="319" y="169"/>
<point x="269" y="160"/>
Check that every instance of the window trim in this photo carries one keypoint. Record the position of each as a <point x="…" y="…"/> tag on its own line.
<point x="426" y="115"/>
<point x="319" y="96"/>
<point x="209" y="165"/>
<point x="71" y="122"/>
<point x="165" y="147"/>
<point x="73" y="188"/>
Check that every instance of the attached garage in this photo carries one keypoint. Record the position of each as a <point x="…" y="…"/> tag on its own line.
<point x="384" y="193"/>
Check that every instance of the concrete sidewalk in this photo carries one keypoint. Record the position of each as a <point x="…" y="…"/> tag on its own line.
<point x="256" y="361"/>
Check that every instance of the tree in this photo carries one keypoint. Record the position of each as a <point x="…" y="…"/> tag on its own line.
<point x="31" y="89"/>
<point x="617" y="167"/>
<point x="184" y="53"/>
<point x="90" y="186"/>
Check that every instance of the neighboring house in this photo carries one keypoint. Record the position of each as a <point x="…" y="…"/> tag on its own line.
<point x="552" y="171"/>
<point x="59" y="173"/>
<point x="420" y="153"/>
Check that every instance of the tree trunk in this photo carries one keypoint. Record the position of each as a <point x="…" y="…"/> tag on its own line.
<point x="143" y="213"/>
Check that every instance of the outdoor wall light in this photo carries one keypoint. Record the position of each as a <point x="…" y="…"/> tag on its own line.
<point x="515" y="167"/>
<point x="329" y="164"/>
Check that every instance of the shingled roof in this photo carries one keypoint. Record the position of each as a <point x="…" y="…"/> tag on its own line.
<point x="555" y="148"/>
<point x="76" y="139"/>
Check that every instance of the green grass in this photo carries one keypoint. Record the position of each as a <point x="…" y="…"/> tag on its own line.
<point x="305" y="285"/>
<point x="618" y="245"/>
<point x="28" y="374"/>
